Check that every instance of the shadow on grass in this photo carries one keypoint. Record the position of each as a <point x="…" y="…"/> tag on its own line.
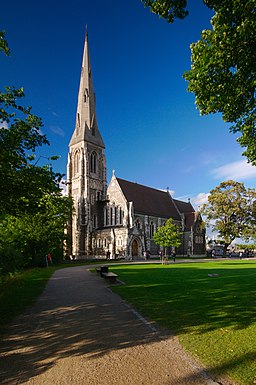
<point x="66" y="323"/>
<point x="228" y="366"/>
<point x="207" y="302"/>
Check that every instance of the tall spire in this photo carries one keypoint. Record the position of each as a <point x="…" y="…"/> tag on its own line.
<point x="86" y="121"/>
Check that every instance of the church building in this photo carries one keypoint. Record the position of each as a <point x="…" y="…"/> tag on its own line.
<point x="120" y="219"/>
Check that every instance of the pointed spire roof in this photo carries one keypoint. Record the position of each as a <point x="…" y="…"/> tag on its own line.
<point x="86" y="128"/>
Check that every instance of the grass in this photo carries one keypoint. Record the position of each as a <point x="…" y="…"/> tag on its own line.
<point x="19" y="291"/>
<point x="214" y="317"/>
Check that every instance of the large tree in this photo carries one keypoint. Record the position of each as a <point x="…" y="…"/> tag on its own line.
<point x="167" y="235"/>
<point x="33" y="212"/>
<point x="223" y="71"/>
<point x="231" y="211"/>
<point x="26" y="238"/>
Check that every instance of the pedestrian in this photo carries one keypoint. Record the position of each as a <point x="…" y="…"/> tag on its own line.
<point x="108" y="254"/>
<point x="49" y="258"/>
<point x="173" y="256"/>
<point x="160" y="256"/>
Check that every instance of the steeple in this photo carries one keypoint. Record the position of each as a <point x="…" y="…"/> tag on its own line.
<point x="86" y="128"/>
<point x="86" y="169"/>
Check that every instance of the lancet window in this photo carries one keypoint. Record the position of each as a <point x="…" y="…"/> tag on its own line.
<point x="93" y="162"/>
<point x="151" y="229"/>
<point x="138" y="224"/>
<point x="76" y="163"/>
<point x="113" y="215"/>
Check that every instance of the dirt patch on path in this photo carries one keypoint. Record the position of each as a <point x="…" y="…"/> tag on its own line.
<point x="80" y="333"/>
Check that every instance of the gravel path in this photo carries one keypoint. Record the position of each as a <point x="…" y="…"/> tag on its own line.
<point x="80" y="333"/>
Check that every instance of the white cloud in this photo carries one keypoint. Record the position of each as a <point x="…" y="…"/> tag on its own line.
<point x="4" y="124"/>
<point x="183" y="198"/>
<point x="63" y="186"/>
<point x="172" y="192"/>
<point x="240" y="170"/>
<point x="200" y="199"/>
<point x="57" y="130"/>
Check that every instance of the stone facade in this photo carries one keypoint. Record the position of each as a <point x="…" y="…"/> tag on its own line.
<point x="119" y="220"/>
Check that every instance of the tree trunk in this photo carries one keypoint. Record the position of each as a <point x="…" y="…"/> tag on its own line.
<point x="225" y="249"/>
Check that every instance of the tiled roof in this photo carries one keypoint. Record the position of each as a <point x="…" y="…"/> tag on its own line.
<point x="149" y="201"/>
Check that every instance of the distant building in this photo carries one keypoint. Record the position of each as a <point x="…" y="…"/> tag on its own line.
<point x="121" y="218"/>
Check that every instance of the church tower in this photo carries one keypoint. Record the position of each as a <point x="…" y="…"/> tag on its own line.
<point x="86" y="169"/>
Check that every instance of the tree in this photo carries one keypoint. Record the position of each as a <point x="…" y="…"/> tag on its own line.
<point x="33" y="235"/>
<point x="3" y="43"/>
<point x="231" y="207"/>
<point x="33" y="212"/>
<point x="19" y="137"/>
<point x="167" y="235"/>
<point x="223" y="71"/>
<point x="168" y="9"/>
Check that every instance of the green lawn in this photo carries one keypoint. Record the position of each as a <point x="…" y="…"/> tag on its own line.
<point x="214" y="317"/>
<point x="20" y="291"/>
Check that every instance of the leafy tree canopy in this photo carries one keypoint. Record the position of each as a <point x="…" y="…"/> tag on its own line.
<point x="33" y="212"/>
<point x="223" y="71"/>
<point x="3" y="43"/>
<point x="232" y="207"/>
<point x="167" y="235"/>
<point x="22" y="182"/>
<point x="168" y="9"/>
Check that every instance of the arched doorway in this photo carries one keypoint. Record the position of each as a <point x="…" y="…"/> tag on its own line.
<point x="135" y="248"/>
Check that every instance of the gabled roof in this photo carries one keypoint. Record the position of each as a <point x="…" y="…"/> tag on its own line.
<point x="149" y="201"/>
<point x="184" y="207"/>
<point x="188" y="210"/>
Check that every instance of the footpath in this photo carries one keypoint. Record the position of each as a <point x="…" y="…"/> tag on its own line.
<point x="80" y="333"/>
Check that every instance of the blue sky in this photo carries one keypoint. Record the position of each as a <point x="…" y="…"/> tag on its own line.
<point x="152" y="131"/>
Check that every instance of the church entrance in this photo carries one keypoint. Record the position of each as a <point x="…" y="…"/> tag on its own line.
<point x="135" y="248"/>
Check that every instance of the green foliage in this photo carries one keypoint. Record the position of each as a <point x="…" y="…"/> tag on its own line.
<point x="33" y="213"/>
<point x="168" y="9"/>
<point x="223" y="71"/>
<point x="231" y="207"/>
<point x="3" y="43"/>
<point x="34" y="234"/>
<point x="167" y="235"/>
<point x="248" y="246"/>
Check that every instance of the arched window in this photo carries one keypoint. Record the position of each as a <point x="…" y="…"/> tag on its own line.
<point x="151" y="229"/>
<point x="76" y="163"/>
<point x="78" y="120"/>
<point x="111" y="216"/>
<point x="106" y="217"/>
<point x="137" y="224"/>
<point x="94" y="221"/>
<point x="93" y="162"/>
<point x="121" y="216"/>
<point x="116" y="215"/>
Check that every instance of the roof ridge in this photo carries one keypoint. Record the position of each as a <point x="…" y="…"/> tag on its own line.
<point x="142" y="185"/>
